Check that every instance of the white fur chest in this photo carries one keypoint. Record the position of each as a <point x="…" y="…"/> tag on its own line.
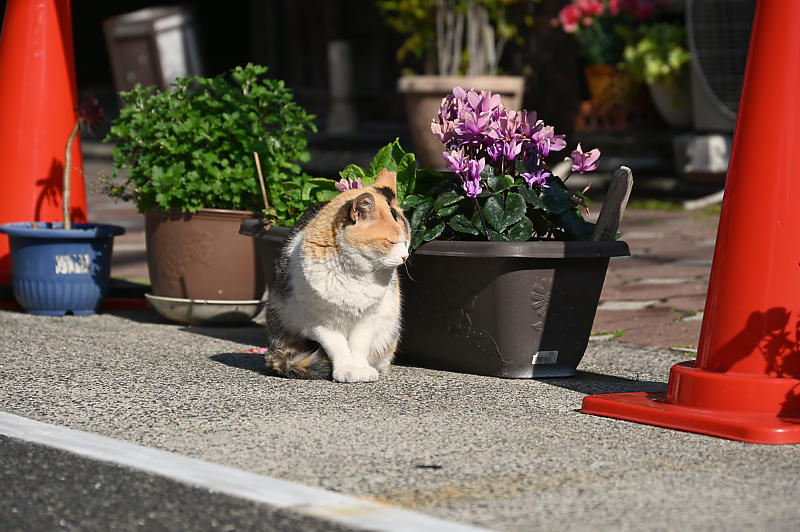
<point x="336" y="291"/>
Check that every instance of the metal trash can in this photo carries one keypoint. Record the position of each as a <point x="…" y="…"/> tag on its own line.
<point x="152" y="46"/>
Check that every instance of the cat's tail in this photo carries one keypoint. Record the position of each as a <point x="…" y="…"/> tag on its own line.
<point x="299" y="362"/>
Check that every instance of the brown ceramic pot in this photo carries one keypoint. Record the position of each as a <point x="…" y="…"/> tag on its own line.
<point x="423" y="96"/>
<point x="202" y="255"/>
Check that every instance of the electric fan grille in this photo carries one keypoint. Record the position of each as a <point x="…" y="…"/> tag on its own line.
<point x="719" y="34"/>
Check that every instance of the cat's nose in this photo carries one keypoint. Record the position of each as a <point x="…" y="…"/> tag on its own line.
<point x="404" y="257"/>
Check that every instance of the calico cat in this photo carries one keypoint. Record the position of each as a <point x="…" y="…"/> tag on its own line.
<point x="334" y="309"/>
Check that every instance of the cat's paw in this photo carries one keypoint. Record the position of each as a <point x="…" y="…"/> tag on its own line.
<point x="355" y="374"/>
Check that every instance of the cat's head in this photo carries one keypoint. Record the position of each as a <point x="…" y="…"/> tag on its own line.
<point x="375" y="227"/>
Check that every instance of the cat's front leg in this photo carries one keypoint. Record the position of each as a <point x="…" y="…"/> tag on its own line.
<point x="347" y="366"/>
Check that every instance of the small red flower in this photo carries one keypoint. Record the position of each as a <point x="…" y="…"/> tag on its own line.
<point x="90" y="113"/>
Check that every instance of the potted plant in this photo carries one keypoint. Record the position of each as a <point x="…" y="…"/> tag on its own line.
<point x="602" y="29"/>
<point x="189" y="156"/>
<point x="657" y="55"/>
<point x="460" y="43"/>
<point x="61" y="267"/>
<point x="505" y="275"/>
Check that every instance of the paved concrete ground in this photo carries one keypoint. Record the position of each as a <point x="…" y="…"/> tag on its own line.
<point x="502" y="454"/>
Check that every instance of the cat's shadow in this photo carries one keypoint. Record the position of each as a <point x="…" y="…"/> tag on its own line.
<point x="249" y="361"/>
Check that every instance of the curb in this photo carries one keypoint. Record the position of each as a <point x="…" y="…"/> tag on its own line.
<point x="316" y="503"/>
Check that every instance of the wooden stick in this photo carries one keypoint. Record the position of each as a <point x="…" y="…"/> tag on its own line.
<point x="261" y="180"/>
<point x="65" y="199"/>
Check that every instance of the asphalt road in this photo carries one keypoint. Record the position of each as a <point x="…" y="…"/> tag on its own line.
<point x="500" y="454"/>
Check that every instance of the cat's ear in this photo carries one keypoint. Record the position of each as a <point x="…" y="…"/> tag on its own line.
<point x="386" y="179"/>
<point x="362" y="207"/>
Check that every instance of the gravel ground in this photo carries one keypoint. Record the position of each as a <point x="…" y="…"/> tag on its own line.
<point x="503" y="454"/>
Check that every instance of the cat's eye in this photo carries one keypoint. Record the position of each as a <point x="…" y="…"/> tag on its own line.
<point x="394" y="214"/>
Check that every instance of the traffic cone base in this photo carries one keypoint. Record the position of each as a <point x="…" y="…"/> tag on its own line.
<point x="736" y="407"/>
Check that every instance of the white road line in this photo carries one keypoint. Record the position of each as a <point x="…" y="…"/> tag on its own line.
<point x="343" y="509"/>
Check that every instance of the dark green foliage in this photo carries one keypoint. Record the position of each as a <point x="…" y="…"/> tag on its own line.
<point x="191" y="147"/>
<point x="508" y="211"/>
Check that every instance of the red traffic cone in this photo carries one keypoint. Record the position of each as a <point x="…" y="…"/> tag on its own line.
<point x="745" y="384"/>
<point x="38" y="97"/>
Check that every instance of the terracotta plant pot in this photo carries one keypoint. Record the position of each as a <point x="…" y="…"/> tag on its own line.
<point x="202" y="256"/>
<point x="268" y="244"/>
<point x="423" y="96"/>
<point x="611" y="87"/>
<point x="515" y="310"/>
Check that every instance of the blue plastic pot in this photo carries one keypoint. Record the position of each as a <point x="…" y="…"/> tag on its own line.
<point x="56" y="271"/>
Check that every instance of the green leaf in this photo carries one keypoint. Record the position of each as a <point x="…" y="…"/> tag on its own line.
<point x="462" y="224"/>
<point x="406" y="175"/>
<point x="500" y="183"/>
<point x="488" y="172"/>
<point x="522" y="231"/>
<point x="434" y="232"/>
<point x="575" y="226"/>
<point x="444" y="212"/>
<point x="410" y="201"/>
<point x="556" y="200"/>
<point x="416" y="240"/>
<point x="352" y="171"/>
<point x="494" y="236"/>
<point x="446" y="198"/>
<point x="532" y="197"/>
<point x="383" y="159"/>
<point x="420" y="212"/>
<point x="323" y="196"/>
<point x="515" y="208"/>
<point x="493" y="213"/>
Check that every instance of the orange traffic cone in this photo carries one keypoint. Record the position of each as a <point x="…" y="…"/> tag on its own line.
<point x="38" y="97"/>
<point x="745" y="384"/>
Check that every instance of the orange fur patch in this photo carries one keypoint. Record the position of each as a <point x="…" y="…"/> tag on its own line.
<point x="377" y="229"/>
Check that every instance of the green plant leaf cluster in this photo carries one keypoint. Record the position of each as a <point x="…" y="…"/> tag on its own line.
<point x="191" y="147"/>
<point x="508" y="211"/>
<point x="416" y="20"/>
<point x="392" y="157"/>
<point x="657" y="53"/>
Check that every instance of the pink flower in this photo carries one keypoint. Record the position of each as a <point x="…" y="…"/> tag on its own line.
<point x="569" y="17"/>
<point x="348" y="184"/>
<point x="591" y="8"/>
<point x="584" y="162"/>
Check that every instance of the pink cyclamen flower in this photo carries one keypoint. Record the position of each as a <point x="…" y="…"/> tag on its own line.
<point x="456" y="162"/>
<point x="348" y="184"/>
<point x="475" y="169"/>
<point x="472" y="188"/>
<point x="584" y="162"/>
<point x="536" y="178"/>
